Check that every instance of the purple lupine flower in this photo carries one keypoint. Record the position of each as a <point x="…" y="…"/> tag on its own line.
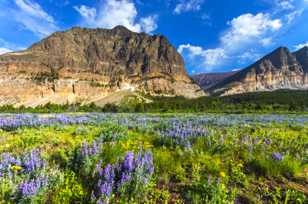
<point x="31" y="188"/>
<point x="134" y="168"/>
<point x="28" y="163"/>
<point x="129" y="161"/>
<point x="267" y="141"/>
<point x="85" y="149"/>
<point x="148" y="158"/>
<point x="99" y="168"/>
<point x="94" y="148"/>
<point x="106" y="189"/>
<point x="33" y="161"/>
<point x="124" y="178"/>
<point x="277" y="156"/>
<point x="109" y="173"/>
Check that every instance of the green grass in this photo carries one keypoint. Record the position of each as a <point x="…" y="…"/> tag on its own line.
<point x="230" y="163"/>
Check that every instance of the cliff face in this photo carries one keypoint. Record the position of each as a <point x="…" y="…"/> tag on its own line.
<point x="302" y="57"/>
<point x="280" y="69"/>
<point x="86" y="65"/>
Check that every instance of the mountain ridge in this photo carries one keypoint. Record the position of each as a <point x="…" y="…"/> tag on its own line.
<point x="278" y="70"/>
<point x="84" y="65"/>
<point x="207" y="80"/>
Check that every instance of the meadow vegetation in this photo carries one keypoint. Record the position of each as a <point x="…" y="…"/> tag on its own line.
<point x="281" y="101"/>
<point x="165" y="158"/>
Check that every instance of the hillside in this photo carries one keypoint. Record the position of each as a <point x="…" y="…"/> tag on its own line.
<point x="87" y="65"/>
<point x="207" y="80"/>
<point x="280" y="69"/>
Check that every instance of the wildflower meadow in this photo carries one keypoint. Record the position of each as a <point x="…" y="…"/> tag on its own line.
<point x="153" y="158"/>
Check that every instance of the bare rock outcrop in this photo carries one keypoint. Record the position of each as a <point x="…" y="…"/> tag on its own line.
<point x="85" y="65"/>
<point x="281" y="69"/>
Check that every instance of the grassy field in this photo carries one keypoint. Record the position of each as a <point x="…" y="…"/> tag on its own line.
<point x="165" y="158"/>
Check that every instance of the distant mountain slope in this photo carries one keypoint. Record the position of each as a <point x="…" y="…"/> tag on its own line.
<point x="208" y="80"/>
<point x="86" y="65"/>
<point x="279" y="70"/>
<point x="302" y="57"/>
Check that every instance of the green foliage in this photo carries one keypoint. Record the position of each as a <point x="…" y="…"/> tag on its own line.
<point x="230" y="164"/>
<point x="68" y="190"/>
<point x="281" y="101"/>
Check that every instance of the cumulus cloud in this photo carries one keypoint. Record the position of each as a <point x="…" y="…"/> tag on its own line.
<point x="148" y="24"/>
<point x="4" y="50"/>
<point x="187" y="5"/>
<point x="209" y="57"/>
<point x="32" y="16"/>
<point x="117" y="12"/>
<point x="301" y="45"/>
<point x="248" y="28"/>
<point x="244" y="31"/>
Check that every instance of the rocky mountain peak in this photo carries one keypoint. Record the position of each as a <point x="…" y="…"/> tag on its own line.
<point x="302" y="56"/>
<point x="84" y="64"/>
<point x="281" y="58"/>
<point x="121" y="29"/>
<point x="280" y="69"/>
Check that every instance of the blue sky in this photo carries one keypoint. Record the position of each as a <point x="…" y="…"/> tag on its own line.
<point x="212" y="35"/>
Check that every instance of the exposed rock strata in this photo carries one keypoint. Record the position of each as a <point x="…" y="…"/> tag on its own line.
<point x="86" y="65"/>
<point x="280" y="69"/>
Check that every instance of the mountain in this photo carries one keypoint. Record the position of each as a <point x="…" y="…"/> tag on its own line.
<point x="207" y="80"/>
<point x="87" y="65"/>
<point x="281" y="69"/>
<point x="302" y="57"/>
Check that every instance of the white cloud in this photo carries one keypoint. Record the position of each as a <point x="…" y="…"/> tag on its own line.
<point x="214" y="56"/>
<point x="148" y="24"/>
<point x="86" y="12"/>
<point x="301" y="45"/>
<point x="244" y="32"/>
<point x="290" y="17"/>
<point x="33" y="17"/>
<point x="248" y="28"/>
<point x="4" y="50"/>
<point x="188" y="5"/>
<point x="209" y="57"/>
<point x="193" y="50"/>
<point x="266" y="41"/>
<point x="285" y="4"/>
<point x="33" y="9"/>
<point x="236" y="69"/>
<point x="8" y="47"/>
<point x="250" y="55"/>
<point x="117" y="12"/>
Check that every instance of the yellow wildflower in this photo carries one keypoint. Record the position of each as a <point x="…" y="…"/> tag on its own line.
<point x="222" y="174"/>
<point x="16" y="168"/>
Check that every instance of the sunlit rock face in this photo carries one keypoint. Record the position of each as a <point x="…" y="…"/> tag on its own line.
<point x="302" y="57"/>
<point x="86" y="65"/>
<point x="280" y="69"/>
